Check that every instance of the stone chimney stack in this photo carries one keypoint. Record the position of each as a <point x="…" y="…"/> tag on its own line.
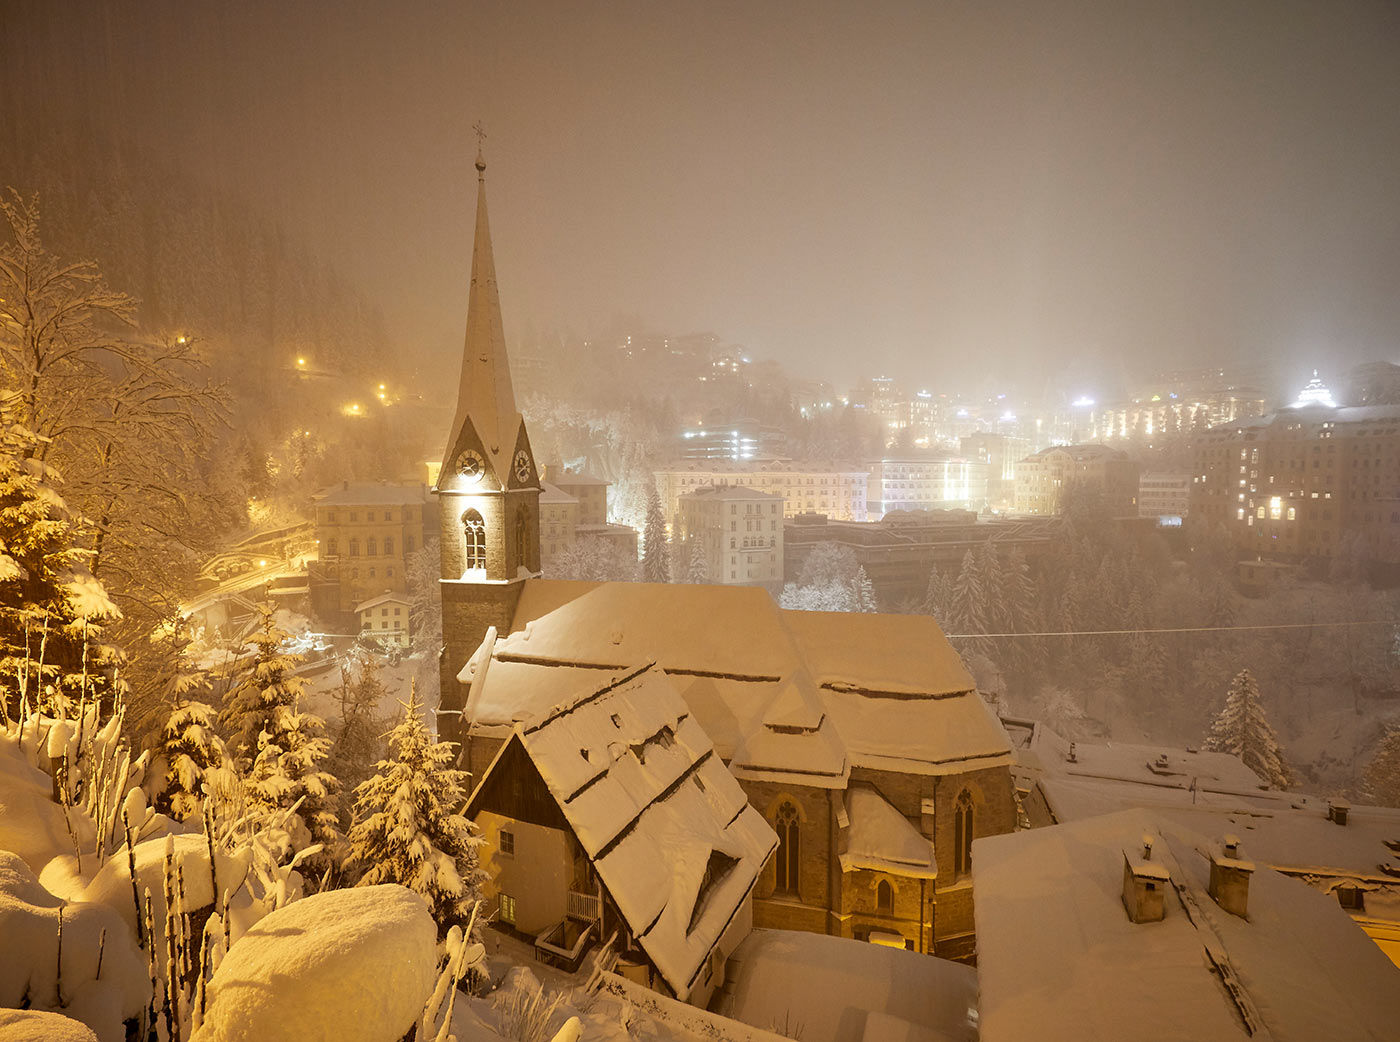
<point x="1229" y="877"/>
<point x="1145" y="884"/>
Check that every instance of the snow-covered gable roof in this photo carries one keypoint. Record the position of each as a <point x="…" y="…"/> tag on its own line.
<point x="553" y="494"/>
<point x="1058" y="957"/>
<point x="383" y="598"/>
<point x="373" y="495"/>
<point x="881" y="838"/>
<point x="668" y="829"/>
<point x="780" y="693"/>
<point x="1285" y="830"/>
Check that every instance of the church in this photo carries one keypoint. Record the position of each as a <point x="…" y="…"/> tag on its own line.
<point x="860" y="738"/>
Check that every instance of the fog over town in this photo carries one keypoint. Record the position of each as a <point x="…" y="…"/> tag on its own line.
<point x="891" y="527"/>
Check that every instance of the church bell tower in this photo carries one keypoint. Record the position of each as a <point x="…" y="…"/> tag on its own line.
<point x="488" y="488"/>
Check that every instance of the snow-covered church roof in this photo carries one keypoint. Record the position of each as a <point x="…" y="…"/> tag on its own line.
<point x="667" y="828"/>
<point x="781" y="693"/>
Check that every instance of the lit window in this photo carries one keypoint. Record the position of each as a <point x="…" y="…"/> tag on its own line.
<point x="507" y="909"/>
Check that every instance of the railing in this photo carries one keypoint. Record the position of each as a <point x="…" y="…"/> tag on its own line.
<point x="585" y="907"/>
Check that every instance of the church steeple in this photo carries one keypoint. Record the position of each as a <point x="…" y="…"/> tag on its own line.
<point x="488" y="488"/>
<point x="487" y="426"/>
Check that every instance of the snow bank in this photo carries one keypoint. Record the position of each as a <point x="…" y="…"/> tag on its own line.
<point x="29" y="956"/>
<point x="112" y="885"/>
<point x="347" y="965"/>
<point x="31" y="824"/>
<point x="29" y="1025"/>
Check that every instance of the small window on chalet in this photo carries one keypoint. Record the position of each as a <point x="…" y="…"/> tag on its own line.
<point x="1352" y="898"/>
<point x="507" y="843"/>
<point x="508" y="909"/>
<point x="718" y="867"/>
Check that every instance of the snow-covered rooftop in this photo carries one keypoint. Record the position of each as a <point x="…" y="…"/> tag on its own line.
<point x="553" y="494"/>
<point x="1058" y="957"/>
<point x="881" y="838"/>
<point x="777" y="691"/>
<point x="668" y="829"/>
<point x="832" y="989"/>
<point x="376" y="494"/>
<point x="1285" y="830"/>
<point x="383" y="598"/>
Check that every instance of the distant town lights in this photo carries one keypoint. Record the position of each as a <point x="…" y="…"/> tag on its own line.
<point x="1083" y="402"/>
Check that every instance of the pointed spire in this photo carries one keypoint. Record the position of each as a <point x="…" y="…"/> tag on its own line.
<point x="485" y="397"/>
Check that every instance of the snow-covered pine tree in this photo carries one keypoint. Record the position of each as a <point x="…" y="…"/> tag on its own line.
<point x="863" y="592"/>
<point x="1381" y="782"/>
<point x="409" y="828"/>
<point x="698" y="568"/>
<point x="189" y="749"/>
<point x="998" y="617"/>
<point x="967" y="612"/>
<point x="1242" y="730"/>
<point x="251" y="706"/>
<point x="288" y="768"/>
<point x="656" y="564"/>
<point x="936" y="597"/>
<point x="49" y="602"/>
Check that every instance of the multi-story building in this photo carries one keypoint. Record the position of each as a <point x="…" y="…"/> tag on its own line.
<point x="1164" y="494"/>
<point x="742" y="439"/>
<point x="1305" y="483"/>
<point x="836" y="489"/>
<point x="590" y="492"/>
<point x="364" y="535"/>
<point x="1000" y="453"/>
<point x="1042" y="476"/>
<point x="741" y="530"/>
<point x="559" y="513"/>
<point x="926" y="483"/>
<point x="898" y="551"/>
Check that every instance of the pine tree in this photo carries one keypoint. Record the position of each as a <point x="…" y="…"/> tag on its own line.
<point x="408" y="827"/>
<point x="863" y="592"/>
<point x="967" y="608"/>
<point x="1381" y="782"/>
<point x="252" y="706"/>
<point x="937" y="597"/>
<point x="998" y="616"/>
<point x="287" y="770"/>
<point x="656" y="564"/>
<point x="189" y="750"/>
<point x="698" y="569"/>
<point x="1242" y="730"/>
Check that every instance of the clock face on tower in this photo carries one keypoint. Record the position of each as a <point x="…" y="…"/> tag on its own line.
<point x="470" y="465"/>
<point x="522" y="466"/>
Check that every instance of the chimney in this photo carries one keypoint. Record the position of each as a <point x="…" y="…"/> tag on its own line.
<point x="1144" y="885"/>
<point x="1072" y="757"/>
<point x="1337" y="810"/>
<point x="1229" y="877"/>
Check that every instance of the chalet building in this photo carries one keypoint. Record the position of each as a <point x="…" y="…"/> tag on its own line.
<point x="610" y="815"/>
<point x="836" y="726"/>
<point x="386" y="618"/>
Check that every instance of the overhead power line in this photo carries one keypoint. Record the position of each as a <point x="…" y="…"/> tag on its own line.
<point x="1184" y="629"/>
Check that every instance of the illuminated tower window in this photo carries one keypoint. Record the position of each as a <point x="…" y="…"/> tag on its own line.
<point x="474" y="528"/>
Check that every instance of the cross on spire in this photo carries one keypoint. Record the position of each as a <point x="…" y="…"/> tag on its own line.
<point x="480" y="144"/>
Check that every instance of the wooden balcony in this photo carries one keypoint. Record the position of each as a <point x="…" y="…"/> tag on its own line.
<point x="586" y="908"/>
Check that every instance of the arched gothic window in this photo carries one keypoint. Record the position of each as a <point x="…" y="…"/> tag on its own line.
<point x="884" y="897"/>
<point x="789" y="856"/>
<point x="522" y="539"/>
<point x="962" y="833"/>
<point x="474" y="528"/>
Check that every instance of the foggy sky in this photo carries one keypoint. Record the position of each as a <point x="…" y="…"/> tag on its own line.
<point x="955" y="193"/>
